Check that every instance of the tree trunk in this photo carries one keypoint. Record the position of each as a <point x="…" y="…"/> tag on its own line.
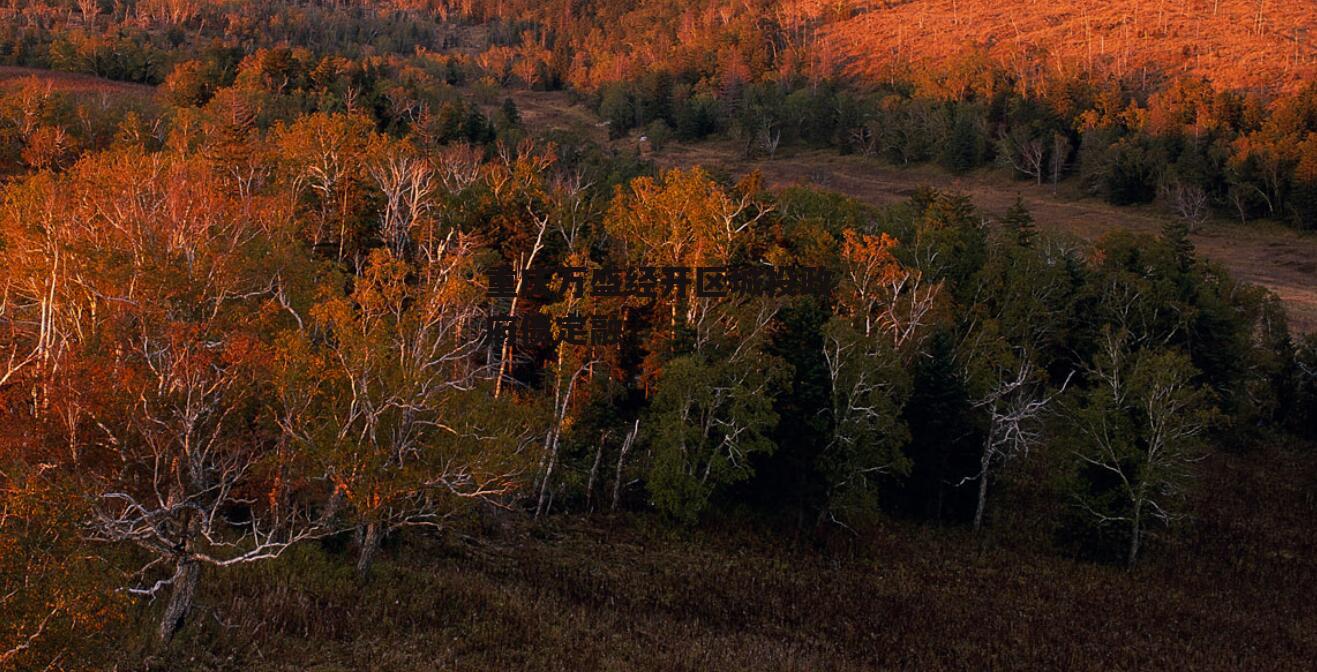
<point x="983" y="491"/>
<point x="1135" y="532"/>
<point x="186" y="574"/>
<point x="551" y="446"/>
<point x="621" y="458"/>
<point x="370" y="543"/>
<point x="594" y="473"/>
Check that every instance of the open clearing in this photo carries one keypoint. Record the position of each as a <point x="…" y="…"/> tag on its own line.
<point x="1227" y="591"/>
<point x="74" y="83"/>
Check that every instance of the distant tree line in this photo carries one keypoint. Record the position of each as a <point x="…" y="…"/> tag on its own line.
<point x="751" y="74"/>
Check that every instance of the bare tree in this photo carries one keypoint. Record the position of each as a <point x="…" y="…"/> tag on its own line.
<point x="883" y="311"/>
<point x="572" y="191"/>
<point x="887" y="298"/>
<point x="412" y="429"/>
<point x="164" y="448"/>
<point x="627" y="443"/>
<point x="1189" y="202"/>
<point x="89" y="10"/>
<point x="1023" y="152"/>
<point x="458" y="167"/>
<point x="564" y="391"/>
<point x="19" y="346"/>
<point x="594" y="470"/>
<point x="1058" y="156"/>
<point x="768" y="139"/>
<point x="407" y="183"/>
<point x="1015" y="405"/>
<point x="524" y="265"/>
<point x="190" y="466"/>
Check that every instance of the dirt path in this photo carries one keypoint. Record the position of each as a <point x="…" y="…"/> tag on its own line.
<point x="1279" y="258"/>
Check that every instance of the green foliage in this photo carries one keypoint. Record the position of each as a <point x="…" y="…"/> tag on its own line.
<point x="967" y="144"/>
<point x="617" y="108"/>
<point x="1140" y="430"/>
<point x="509" y="114"/>
<point x="1131" y="174"/>
<point x="950" y="242"/>
<point x="697" y="117"/>
<point x="945" y="438"/>
<point x="710" y="419"/>
<point x="1020" y="223"/>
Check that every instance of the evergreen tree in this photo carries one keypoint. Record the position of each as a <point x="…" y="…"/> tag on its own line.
<point x="965" y="144"/>
<point x="1019" y="222"/>
<point x="1176" y="233"/>
<point x="510" y="113"/>
<point x="1304" y="200"/>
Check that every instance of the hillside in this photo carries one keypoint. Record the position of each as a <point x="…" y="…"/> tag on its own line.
<point x="86" y="87"/>
<point x="1241" y="44"/>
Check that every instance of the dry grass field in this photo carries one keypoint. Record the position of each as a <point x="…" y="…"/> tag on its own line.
<point x="1254" y="44"/>
<point x="75" y="84"/>
<point x="630" y="594"/>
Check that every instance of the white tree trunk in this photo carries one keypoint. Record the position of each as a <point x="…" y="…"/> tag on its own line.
<point x="983" y="490"/>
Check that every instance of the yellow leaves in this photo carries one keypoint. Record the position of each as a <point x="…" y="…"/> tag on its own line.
<point x="383" y="285"/>
<point x="684" y="218"/>
<point x="873" y="254"/>
<point x="326" y="145"/>
<point x="880" y="293"/>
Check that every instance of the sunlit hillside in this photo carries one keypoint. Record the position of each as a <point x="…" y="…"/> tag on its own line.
<point x="1237" y="43"/>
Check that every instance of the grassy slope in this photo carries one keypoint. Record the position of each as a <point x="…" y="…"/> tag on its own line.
<point x="1230" y="590"/>
<point x="1238" y="43"/>
<point x="75" y="84"/>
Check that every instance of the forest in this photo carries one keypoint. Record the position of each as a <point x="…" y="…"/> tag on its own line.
<point x="254" y="413"/>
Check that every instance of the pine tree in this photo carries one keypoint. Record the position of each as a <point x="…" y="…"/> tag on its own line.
<point x="950" y="210"/>
<point x="1020" y="222"/>
<point x="965" y="145"/>
<point x="1304" y="200"/>
<point x="510" y="112"/>
<point x="1176" y="234"/>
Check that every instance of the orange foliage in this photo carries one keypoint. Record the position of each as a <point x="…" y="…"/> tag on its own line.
<point x="1235" y="43"/>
